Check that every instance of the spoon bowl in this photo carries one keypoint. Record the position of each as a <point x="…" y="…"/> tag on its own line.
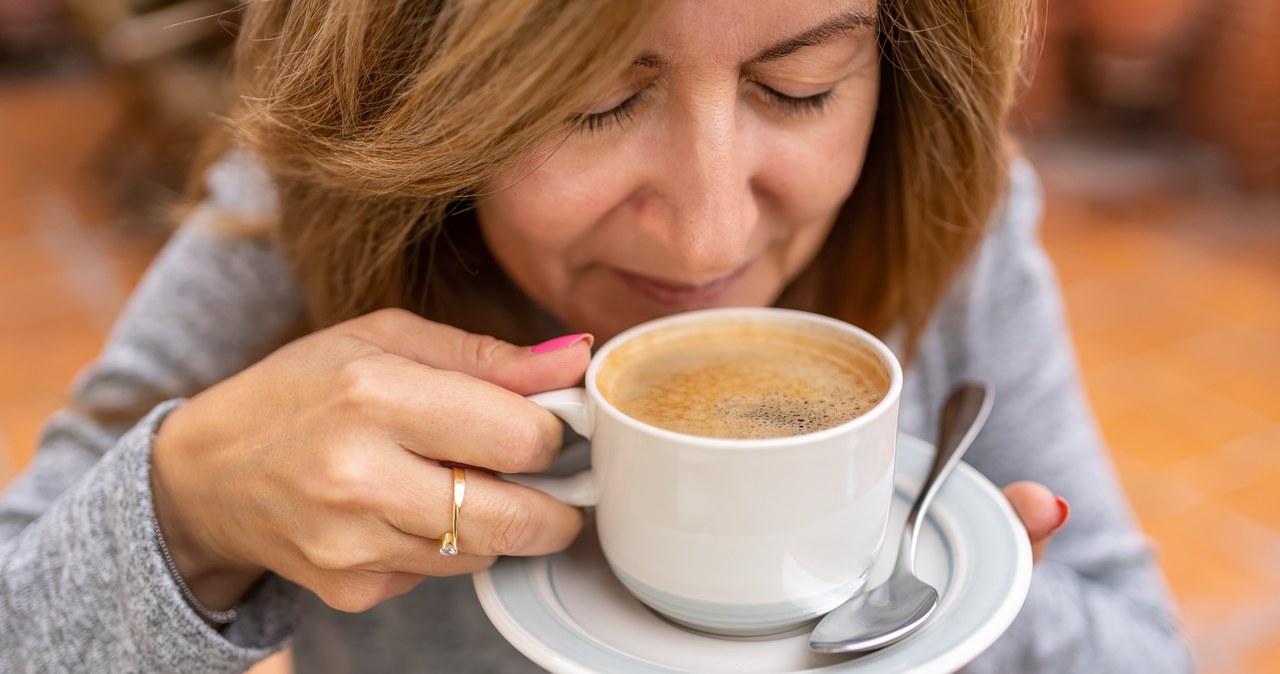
<point x="899" y="606"/>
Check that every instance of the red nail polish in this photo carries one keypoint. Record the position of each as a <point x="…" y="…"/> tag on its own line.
<point x="1064" y="513"/>
<point x="562" y="342"/>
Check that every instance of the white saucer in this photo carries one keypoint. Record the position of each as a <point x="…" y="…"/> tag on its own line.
<point x="567" y="612"/>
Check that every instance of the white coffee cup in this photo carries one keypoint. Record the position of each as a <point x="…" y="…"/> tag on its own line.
<point x="740" y="537"/>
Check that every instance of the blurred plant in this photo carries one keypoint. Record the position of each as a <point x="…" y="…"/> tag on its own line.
<point x="1233" y="91"/>
<point x="169" y="61"/>
<point x="1172" y="70"/>
<point x="32" y="34"/>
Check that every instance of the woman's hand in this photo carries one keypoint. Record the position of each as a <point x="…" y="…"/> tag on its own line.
<point x="1041" y="512"/>
<point x="323" y="462"/>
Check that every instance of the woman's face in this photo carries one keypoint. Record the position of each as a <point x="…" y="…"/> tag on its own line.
<point x="708" y="176"/>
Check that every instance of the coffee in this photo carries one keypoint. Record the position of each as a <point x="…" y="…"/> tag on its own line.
<point x="681" y="516"/>
<point x="743" y="379"/>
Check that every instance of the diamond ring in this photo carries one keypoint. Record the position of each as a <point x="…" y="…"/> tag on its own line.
<point x="449" y="541"/>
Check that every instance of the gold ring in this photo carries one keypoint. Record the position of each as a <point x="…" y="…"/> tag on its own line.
<point x="449" y="541"/>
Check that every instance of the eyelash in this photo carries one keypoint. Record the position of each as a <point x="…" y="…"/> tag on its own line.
<point x="624" y="111"/>
<point x="794" y="105"/>
<point x="602" y="121"/>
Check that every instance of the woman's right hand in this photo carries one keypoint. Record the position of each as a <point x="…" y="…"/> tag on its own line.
<point x="323" y="462"/>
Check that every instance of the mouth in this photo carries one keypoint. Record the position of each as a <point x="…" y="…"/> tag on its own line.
<point x="666" y="292"/>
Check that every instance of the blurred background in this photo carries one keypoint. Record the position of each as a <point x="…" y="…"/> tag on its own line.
<point x="1155" y="125"/>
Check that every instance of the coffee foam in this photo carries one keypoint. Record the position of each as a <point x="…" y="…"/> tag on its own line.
<point x="743" y="380"/>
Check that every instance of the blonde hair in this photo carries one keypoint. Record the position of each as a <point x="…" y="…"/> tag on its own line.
<point x="935" y="169"/>
<point x="379" y="121"/>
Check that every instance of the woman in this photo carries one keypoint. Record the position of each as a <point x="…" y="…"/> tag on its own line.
<point x="504" y="172"/>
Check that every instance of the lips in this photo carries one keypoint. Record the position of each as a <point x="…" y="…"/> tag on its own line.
<point x="666" y="292"/>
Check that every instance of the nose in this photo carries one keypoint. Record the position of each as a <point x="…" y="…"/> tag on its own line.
<point x="710" y="209"/>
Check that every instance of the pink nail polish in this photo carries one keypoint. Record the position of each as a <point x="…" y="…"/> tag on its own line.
<point x="562" y="342"/>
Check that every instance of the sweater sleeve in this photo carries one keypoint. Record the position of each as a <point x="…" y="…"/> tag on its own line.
<point x="1098" y="602"/>
<point x="82" y="580"/>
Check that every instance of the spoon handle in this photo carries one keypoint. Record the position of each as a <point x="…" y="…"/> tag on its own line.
<point x="963" y="415"/>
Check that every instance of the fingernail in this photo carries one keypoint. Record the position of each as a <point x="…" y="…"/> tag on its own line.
<point x="562" y="342"/>
<point x="1064" y="513"/>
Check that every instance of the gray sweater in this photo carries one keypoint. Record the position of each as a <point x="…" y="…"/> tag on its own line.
<point x="83" y="586"/>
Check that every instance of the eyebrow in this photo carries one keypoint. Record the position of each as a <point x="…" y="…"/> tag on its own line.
<point x="838" y="25"/>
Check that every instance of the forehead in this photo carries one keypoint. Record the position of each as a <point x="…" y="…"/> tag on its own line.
<point x="739" y="30"/>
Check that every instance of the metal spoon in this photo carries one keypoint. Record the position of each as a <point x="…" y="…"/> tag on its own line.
<point x="889" y="612"/>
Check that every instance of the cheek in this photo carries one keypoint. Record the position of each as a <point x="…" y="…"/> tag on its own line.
<point x="802" y="192"/>
<point x="538" y="221"/>
<point x="812" y="171"/>
<point x="517" y="222"/>
<point x="549" y="205"/>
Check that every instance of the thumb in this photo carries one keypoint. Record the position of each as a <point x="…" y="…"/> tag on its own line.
<point x="1041" y="512"/>
<point x="557" y="363"/>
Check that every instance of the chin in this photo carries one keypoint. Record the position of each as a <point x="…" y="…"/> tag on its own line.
<point x="601" y="303"/>
<point x="623" y="313"/>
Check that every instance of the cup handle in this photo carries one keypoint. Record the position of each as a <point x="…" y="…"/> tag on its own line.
<point x="569" y="404"/>
<point x="579" y="489"/>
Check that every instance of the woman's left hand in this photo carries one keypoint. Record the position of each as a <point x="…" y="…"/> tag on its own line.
<point x="1042" y="513"/>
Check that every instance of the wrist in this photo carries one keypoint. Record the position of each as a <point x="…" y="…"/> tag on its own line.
<point x="216" y="579"/>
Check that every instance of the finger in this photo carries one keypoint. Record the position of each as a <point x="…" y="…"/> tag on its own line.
<point x="357" y="591"/>
<point x="559" y="363"/>
<point x="1041" y="513"/>
<point x="451" y="416"/>
<point x="496" y="518"/>
<point x="420" y="557"/>
<point x="364" y="550"/>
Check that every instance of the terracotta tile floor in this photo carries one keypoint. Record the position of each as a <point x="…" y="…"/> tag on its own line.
<point x="1173" y="295"/>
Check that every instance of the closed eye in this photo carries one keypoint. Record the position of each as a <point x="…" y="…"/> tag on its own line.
<point x="796" y="104"/>
<point x="590" y="123"/>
